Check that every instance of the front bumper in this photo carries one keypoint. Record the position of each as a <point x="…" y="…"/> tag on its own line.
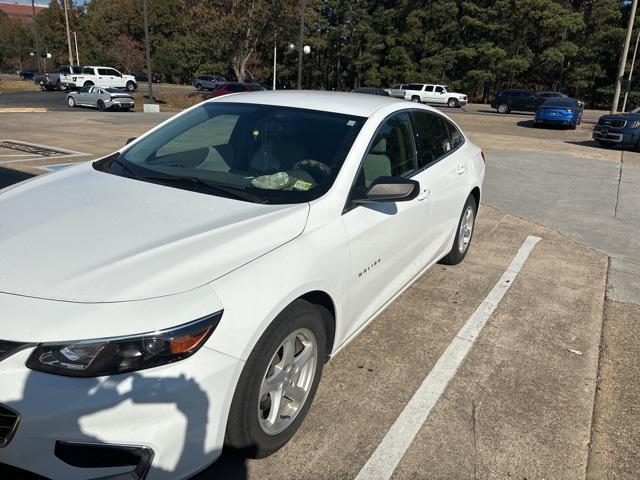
<point x="620" y="137"/>
<point x="172" y="417"/>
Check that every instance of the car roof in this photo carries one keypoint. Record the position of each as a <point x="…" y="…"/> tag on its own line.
<point x="337" y="102"/>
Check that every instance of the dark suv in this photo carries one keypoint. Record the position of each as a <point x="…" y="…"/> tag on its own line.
<point x="514" y="99"/>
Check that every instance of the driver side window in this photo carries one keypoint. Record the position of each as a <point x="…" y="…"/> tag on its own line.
<point x="392" y="152"/>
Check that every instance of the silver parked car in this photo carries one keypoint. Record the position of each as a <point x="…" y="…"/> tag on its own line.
<point x="101" y="98"/>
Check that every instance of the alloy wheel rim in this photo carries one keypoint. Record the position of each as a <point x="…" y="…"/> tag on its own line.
<point x="287" y="381"/>
<point x="466" y="230"/>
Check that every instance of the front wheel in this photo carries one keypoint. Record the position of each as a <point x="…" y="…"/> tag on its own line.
<point x="278" y="382"/>
<point x="464" y="233"/>
<point x="452" y="103"/>
<point x="71" y="102"/>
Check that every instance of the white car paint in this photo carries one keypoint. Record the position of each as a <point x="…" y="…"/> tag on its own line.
<point x="90" y="255"/>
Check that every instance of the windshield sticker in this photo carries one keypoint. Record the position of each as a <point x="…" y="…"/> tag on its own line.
<point x="302" y="185"/>
<point x="351" y="123"/>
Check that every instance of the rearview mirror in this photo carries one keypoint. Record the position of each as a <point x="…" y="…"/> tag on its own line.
<point x="391" y="189"/>
<point x="129" y="140"/>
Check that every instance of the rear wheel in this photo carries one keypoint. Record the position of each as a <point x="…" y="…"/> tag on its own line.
<point x="101" y="106"/>
<point x="415" y="98"/>
<point x="503" y="108"/>
<point x="464" y="233"/>
<point x="452" y="103"/>
<point x="278" y="382"/>
<point x="131" y="86"/>
<point x="88" y="84"/>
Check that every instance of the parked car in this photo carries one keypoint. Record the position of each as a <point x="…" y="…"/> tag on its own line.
<point x="516" y="100"/>
<point x="201" y="281"/>
<point x="105" y="77"/>
<point x="559" y="111"/>
<point x="622" y="129"/>
<point x="397" y="90"/>
<point x="559" y="95"/>
<point x="435" y="94"/>
<point x="235" y="87"/>
<point x="28" y="73"/>
<point x="208" y="82"/>
<point x="62" y="78"/>
<point x="143" y="77"/>
<point x="370" y="91"/>
<point x="101" y="98"/>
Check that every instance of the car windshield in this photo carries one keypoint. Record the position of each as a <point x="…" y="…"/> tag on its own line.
<point x="258" y="153"/>
<point x="635" y="110"/>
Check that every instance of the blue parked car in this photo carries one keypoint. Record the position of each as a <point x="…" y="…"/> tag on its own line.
<point x="559" y="111"/>
<point x="622" y="129"/>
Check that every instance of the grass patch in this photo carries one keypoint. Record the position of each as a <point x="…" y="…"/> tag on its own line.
<point x="18" y="86"/>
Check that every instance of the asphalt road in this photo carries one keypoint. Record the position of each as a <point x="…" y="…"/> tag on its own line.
<point x="549" y="390"/>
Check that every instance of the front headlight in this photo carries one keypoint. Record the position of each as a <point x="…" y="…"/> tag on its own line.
<point x="111" y="356"/>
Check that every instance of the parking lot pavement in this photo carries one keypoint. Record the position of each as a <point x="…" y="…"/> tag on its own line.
<point x="521" y="404"/>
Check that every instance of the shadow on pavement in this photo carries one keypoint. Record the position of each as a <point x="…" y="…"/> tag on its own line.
<point x="9" y="177"/>
<point x="594" y="144"/>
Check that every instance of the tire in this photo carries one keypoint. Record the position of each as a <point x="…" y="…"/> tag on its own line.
<point x="131" y="86"/>
<point x="574" y="125"/>
<point x="416" y="99"/>
<point x="101" y="106"/>
<point x="71" y="102"/>
<point x="125" y="109"/>
<point x="452" y="103"/>
<point x="249" y="429"/>
<point x="604" y="143"/>
<point x="461" y="247"/>
<point x="503" y="108"/>
<point x="88" y="84"/>
<point x="199" y="87"/>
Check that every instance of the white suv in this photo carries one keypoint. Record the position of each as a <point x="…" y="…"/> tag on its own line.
<point x="105" y="77"/>
<point x="436" y="94"/>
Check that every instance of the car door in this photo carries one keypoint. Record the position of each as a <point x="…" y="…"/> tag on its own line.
<point x="440" y="147"/>
<point x="81" y="97"/>
<point x="386" y="239"/>
<point x="439" y="94"/>
<point x="116" y="79"/>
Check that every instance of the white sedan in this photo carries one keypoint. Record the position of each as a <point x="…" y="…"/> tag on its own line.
<point x="185" y="292"/>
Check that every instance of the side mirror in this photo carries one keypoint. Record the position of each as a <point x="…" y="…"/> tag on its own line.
<point x="391" y="189"/>
<point x="129" y="140"/>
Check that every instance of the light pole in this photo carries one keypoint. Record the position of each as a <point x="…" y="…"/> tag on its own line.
<point x="66" y="20"/>
<point x="633" y="62"/>
<point x="148" y="49"/>
<point x="623" y="57"/>
<point x="301" y="42"/>
<point x="75" y="40"/>
<point x="275" y="57"/>
<point x="33" y="10"/>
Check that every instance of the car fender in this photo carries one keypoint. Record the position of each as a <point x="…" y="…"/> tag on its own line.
<point x="254" y="295"/>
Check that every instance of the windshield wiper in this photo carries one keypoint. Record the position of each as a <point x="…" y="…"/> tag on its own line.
<point x="124" y="166"/>
<point x="229" y="190"/>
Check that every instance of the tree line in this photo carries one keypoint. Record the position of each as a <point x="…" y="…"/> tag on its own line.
<point x="475" y="46"/>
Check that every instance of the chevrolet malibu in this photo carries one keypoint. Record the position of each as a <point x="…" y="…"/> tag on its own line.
<point x="183" y="293"/>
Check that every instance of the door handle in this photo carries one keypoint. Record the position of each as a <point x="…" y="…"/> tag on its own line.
<point x="461" y="169"/>
<point x="424" y="194"/>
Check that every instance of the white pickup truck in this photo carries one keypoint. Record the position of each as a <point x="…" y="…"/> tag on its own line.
<point x="104" y="77"/>
<point x="436" y="94"/>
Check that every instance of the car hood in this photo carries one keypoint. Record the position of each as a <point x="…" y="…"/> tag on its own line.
<point x="86" y="236"/>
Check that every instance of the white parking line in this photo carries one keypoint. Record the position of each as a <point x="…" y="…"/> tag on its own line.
<point x="395" y="443"/>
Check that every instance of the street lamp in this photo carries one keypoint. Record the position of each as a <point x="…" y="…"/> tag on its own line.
<point x="291" y="46"/>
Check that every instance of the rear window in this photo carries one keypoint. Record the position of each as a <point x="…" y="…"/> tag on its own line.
<point x="560" y="102"/>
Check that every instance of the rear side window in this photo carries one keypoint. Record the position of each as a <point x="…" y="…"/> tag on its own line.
<point x="87" y="71"/>
<point x="415" y="86"/>
<point x="104" y="71"/>
<point x="428" y="88"/>
<point x="432" y="137"/>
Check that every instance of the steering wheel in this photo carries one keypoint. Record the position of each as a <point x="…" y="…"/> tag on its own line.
<point x="315" y="168"/>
